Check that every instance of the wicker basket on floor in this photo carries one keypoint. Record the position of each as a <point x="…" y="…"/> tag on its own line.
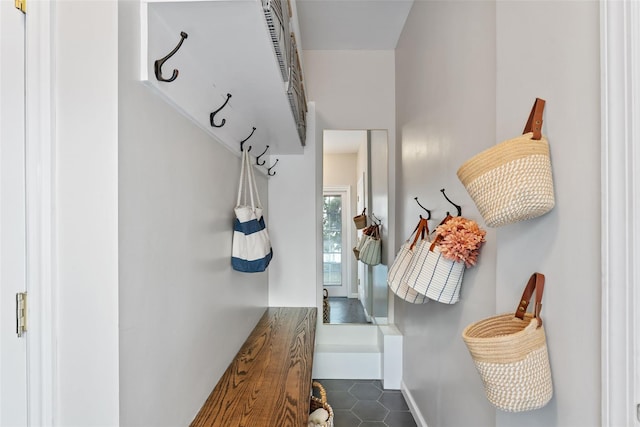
<point x="326" y="308"/>
<point x="321" y="402"/>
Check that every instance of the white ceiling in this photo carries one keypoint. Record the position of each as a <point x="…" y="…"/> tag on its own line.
<point x="351" y="24"/>
<point x="343" y="141"/>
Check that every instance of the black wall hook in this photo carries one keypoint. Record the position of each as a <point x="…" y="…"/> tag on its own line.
<point x="272" y="166"/>
<point x="212" y="115"/>
<point x="157" y="66"/>
<point x="449" y="200"/>
<point x="244" y="140"/>
<point x="428" y="211"/>
<point x="375" y="219"/>
<point x="258" y="158"/>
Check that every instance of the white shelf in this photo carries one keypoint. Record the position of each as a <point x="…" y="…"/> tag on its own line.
<point x="228" y="50"/>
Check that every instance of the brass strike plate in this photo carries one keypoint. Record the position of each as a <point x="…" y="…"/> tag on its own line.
<point x="21" y="5"/>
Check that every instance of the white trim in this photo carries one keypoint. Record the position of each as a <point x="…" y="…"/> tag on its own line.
<point x="620" y="44"/>
<point x="40" y="184"/>
<point x="413" y="407"/>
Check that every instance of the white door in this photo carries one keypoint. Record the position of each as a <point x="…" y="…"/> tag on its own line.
<point x="336" y="243"/>
<point x="13" y="351"/>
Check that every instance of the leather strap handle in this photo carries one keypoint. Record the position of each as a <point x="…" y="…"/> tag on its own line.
<point x="534" y="124"/>
<point x="439" y="237"/>
<point x="422" y="229"/>
<point x="535" y="283"/>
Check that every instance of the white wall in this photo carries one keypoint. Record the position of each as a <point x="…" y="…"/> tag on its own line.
<point x="467" y="75"/>
<point x="557" y="244"/>
<point x="340" y="169"/>
<point x="294" y="226"/>
<point x="445" y="92"/>
<point x="86" y="220"/>
<point x="184" y="313"/>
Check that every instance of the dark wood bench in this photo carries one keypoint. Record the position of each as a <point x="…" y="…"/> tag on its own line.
<point x="268" y="384"/>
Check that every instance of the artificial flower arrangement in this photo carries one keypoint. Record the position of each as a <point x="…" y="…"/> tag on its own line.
<point x="460" y="240"/>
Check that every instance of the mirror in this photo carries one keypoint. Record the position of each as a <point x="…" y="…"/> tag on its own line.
<point x="355" y="177"/>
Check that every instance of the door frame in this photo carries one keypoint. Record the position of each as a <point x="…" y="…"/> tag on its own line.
<point x="346" y="232"/>
<point x="620" y="117"/>
<point x="40" y="217"/>
<point x="13" y="360"/>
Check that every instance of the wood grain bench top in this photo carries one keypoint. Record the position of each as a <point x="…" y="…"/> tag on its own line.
<point x="268" y="384"/>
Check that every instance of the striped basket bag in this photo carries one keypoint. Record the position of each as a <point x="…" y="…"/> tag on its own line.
<point x="371" y="250"/>
<point x="512" y="181"/>
<point x="396" y="277"/>
<point x="434" y="276"/>
<point x="510" y="354"/>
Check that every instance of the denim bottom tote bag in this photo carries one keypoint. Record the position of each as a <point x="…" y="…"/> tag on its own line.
<point x="251" y="249"/>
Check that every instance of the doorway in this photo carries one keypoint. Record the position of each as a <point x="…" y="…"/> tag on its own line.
<point x="336" y="240"/>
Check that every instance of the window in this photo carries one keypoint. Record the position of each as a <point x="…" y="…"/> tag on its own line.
<point x="332" y="239"/>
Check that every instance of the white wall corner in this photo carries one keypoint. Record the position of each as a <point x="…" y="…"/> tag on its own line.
<point x="413" y="407"/>
<point x="391" y="340"/>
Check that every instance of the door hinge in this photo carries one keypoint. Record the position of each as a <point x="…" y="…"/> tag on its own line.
<point x="22" y="5"/>
<point x="21" y="313"/>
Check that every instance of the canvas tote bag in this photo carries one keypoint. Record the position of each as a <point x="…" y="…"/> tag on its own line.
<point x="371" y="250"/>
<point x="512" y="181"/>
<point x="510" y="354"/>
<point x="396" y="277"/>
<point x="434" y="276"/>
<point x="251" y="248"/>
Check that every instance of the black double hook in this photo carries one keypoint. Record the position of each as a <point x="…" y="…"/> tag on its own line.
<point x="428" y="211"/>
<point x="272" y="166"/>
<point x="258" y="158"/>
<point x="212" y="115"/>
<point x="459" y="209"/>
<point x="244" y="140"/>
<point x="375" y="219"/>
<point x="157" y="66"/>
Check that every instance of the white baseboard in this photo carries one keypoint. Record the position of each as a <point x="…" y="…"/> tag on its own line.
<point x="417" y="415"/>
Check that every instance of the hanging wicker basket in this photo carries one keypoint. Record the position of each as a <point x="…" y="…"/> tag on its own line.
<point x="361" y="220"/>
<point x="511" y="356"/>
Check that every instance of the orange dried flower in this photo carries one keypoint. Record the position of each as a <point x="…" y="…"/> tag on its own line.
<point x="460" y="240"/>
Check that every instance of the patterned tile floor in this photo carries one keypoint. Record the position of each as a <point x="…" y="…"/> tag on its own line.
<point x="364" y="403"/>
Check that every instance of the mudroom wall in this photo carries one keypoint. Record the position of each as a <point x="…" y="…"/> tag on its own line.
<point x="467" y="74"/>
<point x="184" y="313"/>
<point x="445" y="98"/>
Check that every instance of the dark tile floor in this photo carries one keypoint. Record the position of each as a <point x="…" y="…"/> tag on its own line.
<point x="346" y="310"/>
<point x="364" y="403"/>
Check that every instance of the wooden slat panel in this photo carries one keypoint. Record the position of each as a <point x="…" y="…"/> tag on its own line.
<point x="269" y="381"/>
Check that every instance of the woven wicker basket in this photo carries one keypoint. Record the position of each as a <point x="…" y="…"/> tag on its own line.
<point x="510" y="354"/>
<point x="321" y="402"/>
<point x="360" y="220"/>
<point x="326" y="308"/>
<point x="512" y="181"/>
